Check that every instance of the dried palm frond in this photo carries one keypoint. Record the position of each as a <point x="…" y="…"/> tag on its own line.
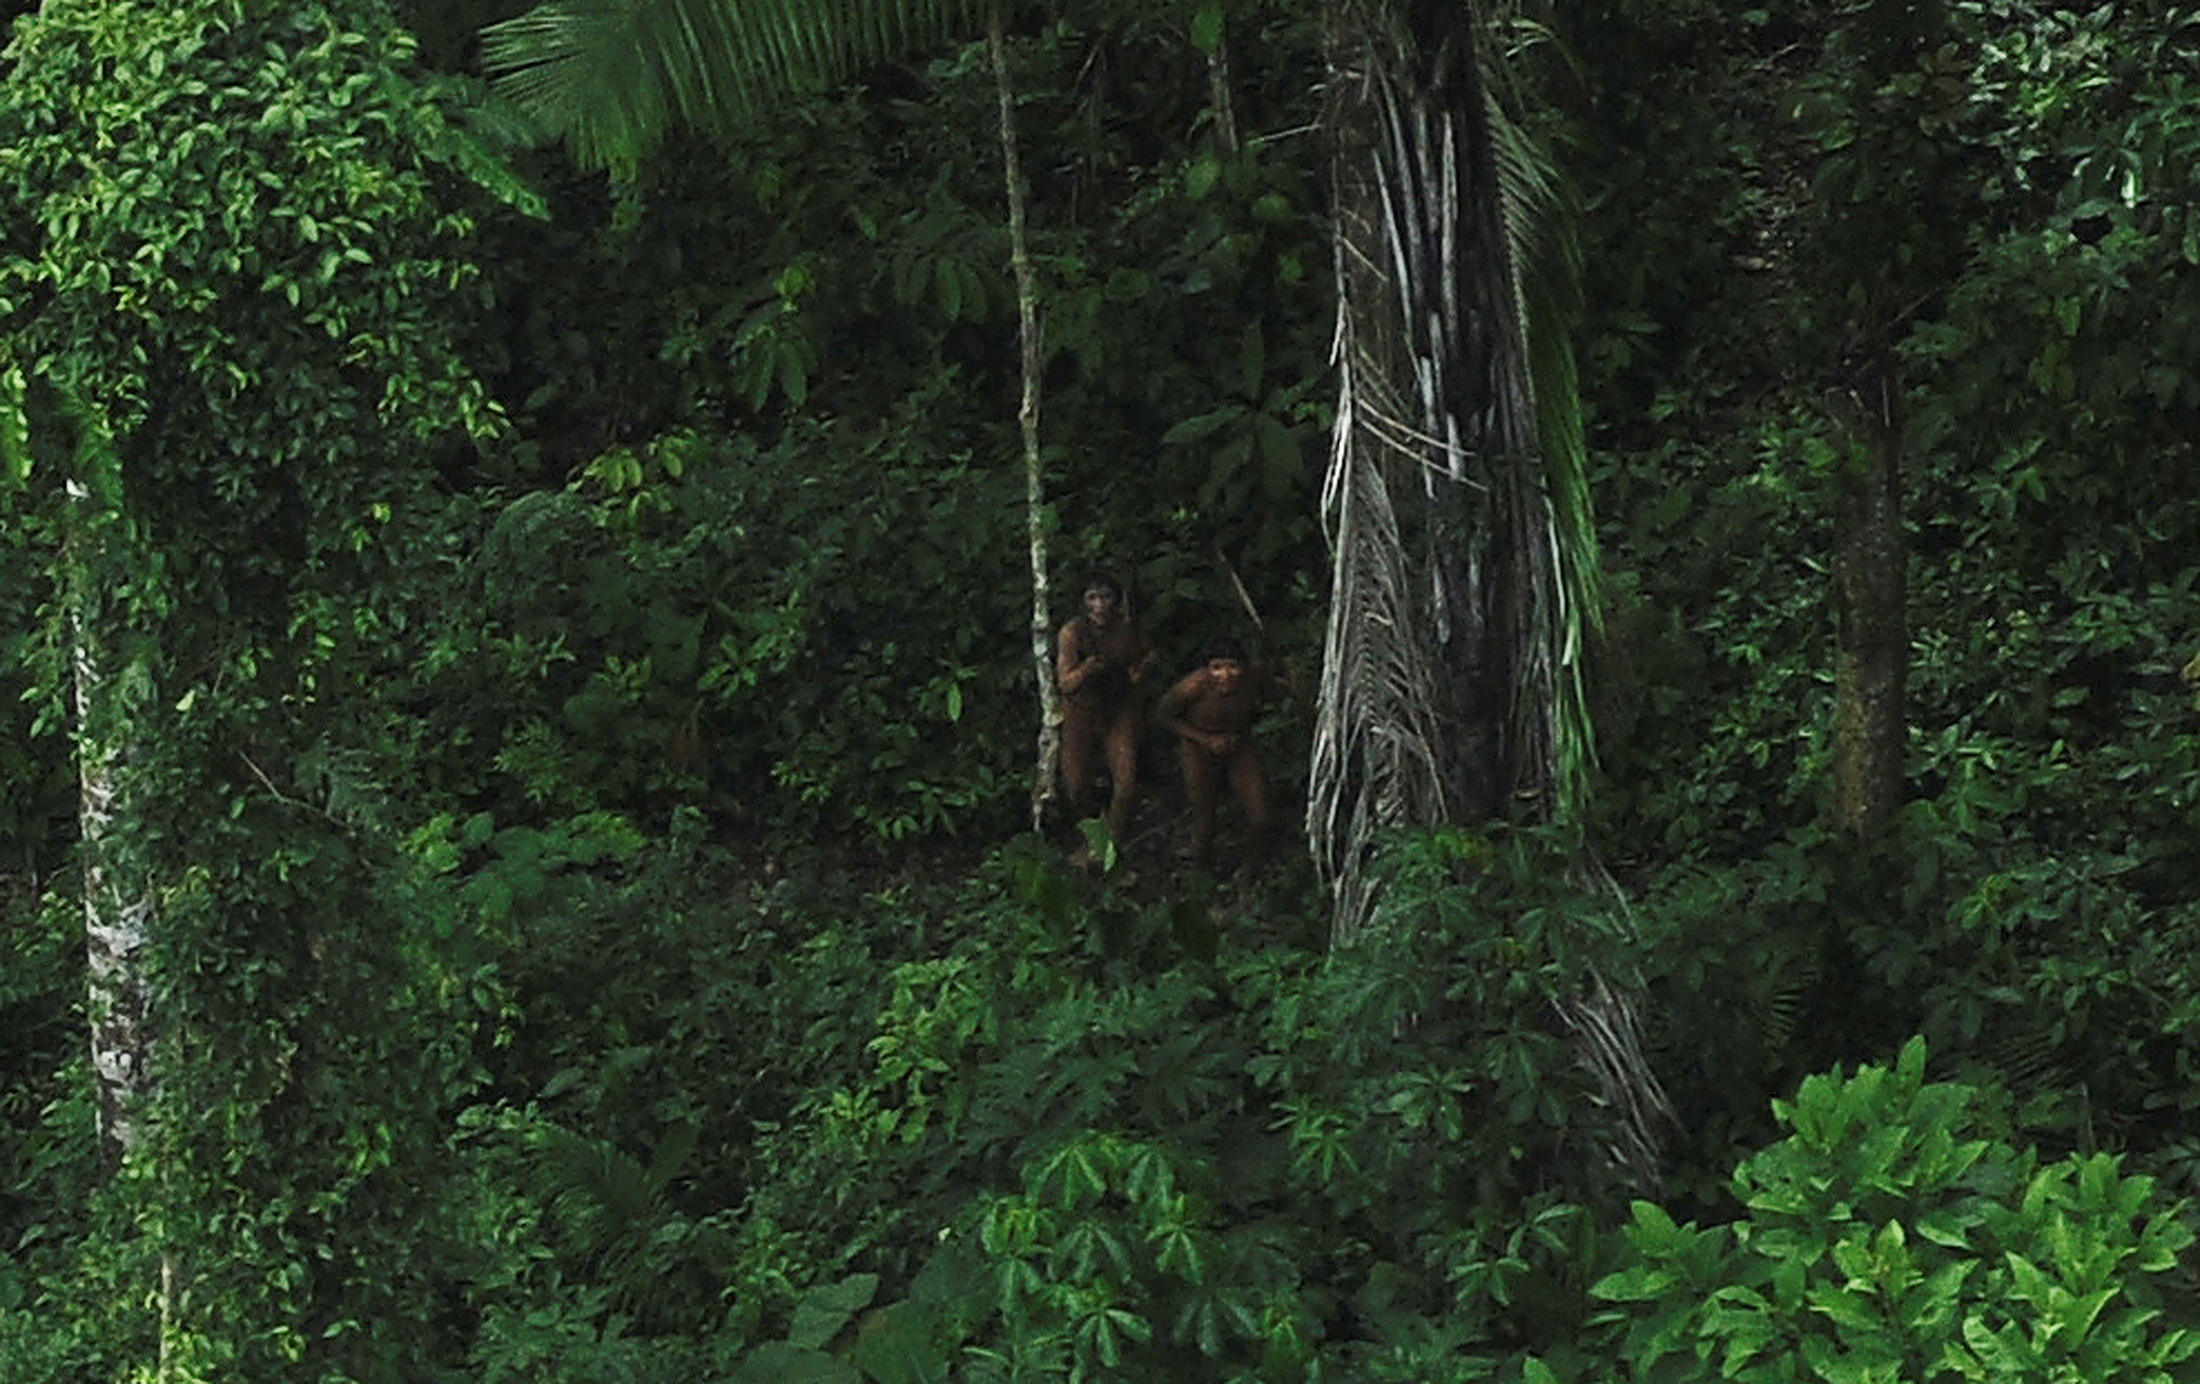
<point x="1607" y="1040"/>
<point x="1456" y="504"/>
<point x="1463" y="554"/>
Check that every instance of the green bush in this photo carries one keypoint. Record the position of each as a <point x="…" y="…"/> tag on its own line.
<point x="817" y="633"/>
<point x="1898" y="1235"/>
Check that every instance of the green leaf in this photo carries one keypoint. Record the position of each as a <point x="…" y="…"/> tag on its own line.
<point x="1654" y="1231"/>
<point x="1207" y="27"/>
<point x="950" y="290"/>
<point x="824" y="1311"/>
<point x="1843" y="1307"/>
<point x="896" y="1345"/>
<point x="1203" y="424"/>
<point x="1252" y="360"/>
<point x="782" y="1362"/>
<point x="1100" y="841"/>
<point x="1282" y="462"/>
<point x="1642" y="1283"/>
<point x="15" y="432"/>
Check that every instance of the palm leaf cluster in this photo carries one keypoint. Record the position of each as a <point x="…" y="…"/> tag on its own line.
<point x="1456" y="504"/>
<point x="610" y="77"/>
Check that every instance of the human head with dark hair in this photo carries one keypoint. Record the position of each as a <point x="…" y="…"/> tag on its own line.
<point x="1227" y="647"/>
<point x="1101" y="598"/>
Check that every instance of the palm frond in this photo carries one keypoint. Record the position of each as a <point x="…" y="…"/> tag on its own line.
<point x="1545" y="259"/>
<point x="612" y="77"/>
<point x="1607" y="1040"/>
<point x="1377" y="762"/>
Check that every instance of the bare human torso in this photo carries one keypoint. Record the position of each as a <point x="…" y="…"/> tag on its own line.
<point x="1119" y="647"/>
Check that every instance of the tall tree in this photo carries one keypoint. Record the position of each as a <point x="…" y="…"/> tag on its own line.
<point x="1464" y="576"/>
<point x="226" y="303"/>
<point x="1464" y="571"/>
<point x="1890" y="215"/>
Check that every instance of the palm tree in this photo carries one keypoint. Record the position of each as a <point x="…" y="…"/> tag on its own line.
<point x="1463" y="586"/>
<point x="1464" y="571"/>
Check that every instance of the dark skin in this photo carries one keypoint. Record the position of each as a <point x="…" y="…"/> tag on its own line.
<point x="1099" y="658"/>
<point x="1211" y="713"/>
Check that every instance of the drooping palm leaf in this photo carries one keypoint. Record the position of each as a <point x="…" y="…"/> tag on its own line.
<point x="611" y="77"/>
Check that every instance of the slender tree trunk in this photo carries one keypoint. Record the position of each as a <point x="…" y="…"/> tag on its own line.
<point x="118" y="908"/>
<point x="1218" y="95"/>
<point x="117" y="892"/>
<point x="1872" y="653"/>
<point x="1027" y="418"/>
<point x="118" y="916"/>
<point x="118" y="898"/>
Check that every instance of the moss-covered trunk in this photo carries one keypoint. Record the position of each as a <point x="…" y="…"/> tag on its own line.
<point x="1872" y="647"/>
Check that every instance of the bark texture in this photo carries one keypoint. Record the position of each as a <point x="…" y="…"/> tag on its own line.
<point x="1044" y="771"/>
<point x="118" y="908"/>
<point x="1870" y="591"/>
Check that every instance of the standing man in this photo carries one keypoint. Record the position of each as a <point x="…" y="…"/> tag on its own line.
<point x="1211" y="714"/>
<point x="1099" y="658"/>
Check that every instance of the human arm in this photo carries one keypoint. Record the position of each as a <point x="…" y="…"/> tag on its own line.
<point x="1282" y="680"/>
<point x="1071" y="667"/>
<point x="1174" y="712"/>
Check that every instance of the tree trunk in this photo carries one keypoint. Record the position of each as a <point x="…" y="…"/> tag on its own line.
<point x="118" y="897"/>
<point x="1463" y="557"/>
<point x="1218" y="93"/>
<point x="1872" y="647"/>
<point x="1027" y="418"/>
<point x="118" y="904"/>
<point x="1454" y="627"/>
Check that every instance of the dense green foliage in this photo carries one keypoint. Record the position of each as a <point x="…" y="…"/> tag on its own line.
<point x="578" y="722"/>
<point x="1896" y="1234"/>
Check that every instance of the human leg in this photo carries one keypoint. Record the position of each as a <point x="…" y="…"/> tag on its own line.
<point x="1250" y="783"/>
<point x="1122" y="752"/>
<point x="1200" y="784"/>
<point x="1076" y="759"/>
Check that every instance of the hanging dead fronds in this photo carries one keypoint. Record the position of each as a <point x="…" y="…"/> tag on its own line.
<point x="1463" y="554"/>
<point x="1456" y="506"/>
